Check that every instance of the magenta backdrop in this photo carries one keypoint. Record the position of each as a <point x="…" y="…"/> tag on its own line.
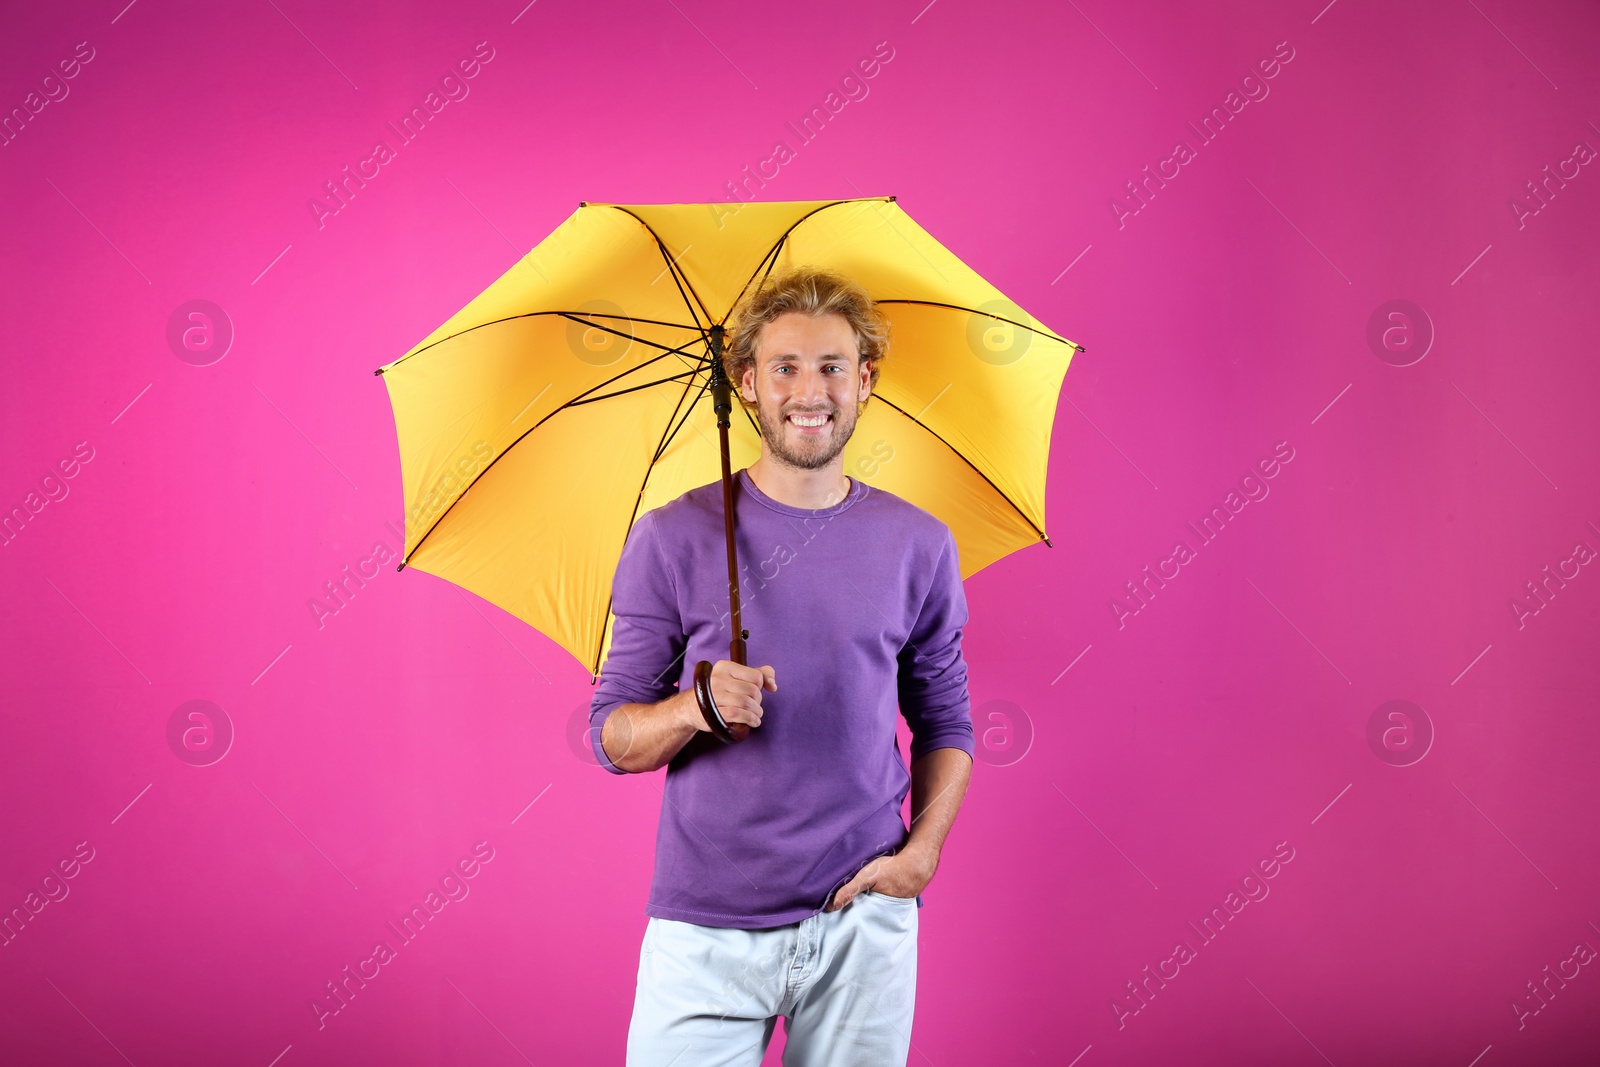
<point x="1149" y="739"/>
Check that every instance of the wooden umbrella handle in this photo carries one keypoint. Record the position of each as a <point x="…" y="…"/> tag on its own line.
<point x="726" y="732"/>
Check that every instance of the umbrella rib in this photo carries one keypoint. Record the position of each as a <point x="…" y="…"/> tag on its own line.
<point x="772" y="253"/>
<point x="697" y="328"/>
<point x="632" y="388"/>
<point x="665" y="351"/>
<point x="573" y="315"/>
<point x="764" y="268"/>
<point x="987" y="315"/>
<point x="615" y="377"/>
<point x="629" y="318"/>
<point x="957" y="453"/>
<point x="661" y="447"/>
<point x="678" y="278"/>
<point x="751" y="419"/>
<point x="570" y="403"/>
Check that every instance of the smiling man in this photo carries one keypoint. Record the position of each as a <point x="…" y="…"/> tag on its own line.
<point x="786" y="882"/>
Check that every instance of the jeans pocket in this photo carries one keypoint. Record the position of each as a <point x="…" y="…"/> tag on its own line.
<point x="890" y="897"/>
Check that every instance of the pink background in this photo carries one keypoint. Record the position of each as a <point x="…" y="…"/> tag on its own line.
<point x="1112" y="805"/>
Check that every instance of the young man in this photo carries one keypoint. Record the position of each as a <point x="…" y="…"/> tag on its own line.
<point x="786" y="882"/>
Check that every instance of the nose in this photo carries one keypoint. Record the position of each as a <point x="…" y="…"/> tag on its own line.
<point x="810" y="387"/>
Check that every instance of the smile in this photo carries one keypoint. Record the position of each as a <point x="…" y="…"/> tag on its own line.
<point x="810" y="422"/>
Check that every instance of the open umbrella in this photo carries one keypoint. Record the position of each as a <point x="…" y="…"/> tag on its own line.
<point x="585" y="387"/>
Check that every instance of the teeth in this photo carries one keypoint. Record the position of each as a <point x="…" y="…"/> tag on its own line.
<point x="808" y="420"/>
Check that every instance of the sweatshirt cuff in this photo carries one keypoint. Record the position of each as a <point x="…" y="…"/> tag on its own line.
<point x="958" y="736"/>
<point x="595" y="729"/>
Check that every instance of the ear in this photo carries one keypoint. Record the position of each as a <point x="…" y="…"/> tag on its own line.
<point x="747" y="384"/>
<point x="866" y="381"/>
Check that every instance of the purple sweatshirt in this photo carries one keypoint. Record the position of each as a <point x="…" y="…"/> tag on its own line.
<point x="856" y="607"/>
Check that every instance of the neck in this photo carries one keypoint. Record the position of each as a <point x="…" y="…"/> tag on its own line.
<point x="799" y="488"/>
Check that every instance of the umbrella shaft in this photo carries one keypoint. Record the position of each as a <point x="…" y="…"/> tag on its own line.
<point x="722" y="404"/>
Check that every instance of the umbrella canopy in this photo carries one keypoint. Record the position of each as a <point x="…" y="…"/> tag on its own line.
<point x="571" y="396"/>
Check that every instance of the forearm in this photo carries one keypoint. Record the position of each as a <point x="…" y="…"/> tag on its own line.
<point x="645" y="737"/>
<point x="938" y="785"/>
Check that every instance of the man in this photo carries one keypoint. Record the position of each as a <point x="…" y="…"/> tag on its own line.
<point x="786" y="882"/>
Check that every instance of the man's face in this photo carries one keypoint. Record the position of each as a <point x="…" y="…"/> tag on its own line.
<point x="806" y="367"/>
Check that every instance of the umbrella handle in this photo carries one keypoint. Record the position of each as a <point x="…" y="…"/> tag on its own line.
<point x="726" y="732"/>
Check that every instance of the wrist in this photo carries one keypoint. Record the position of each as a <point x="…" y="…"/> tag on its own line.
<point x="689" y="713"/>
<point x="921" y="850"/>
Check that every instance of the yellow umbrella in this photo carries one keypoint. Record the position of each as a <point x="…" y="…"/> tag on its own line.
<point x="575" y="394"/>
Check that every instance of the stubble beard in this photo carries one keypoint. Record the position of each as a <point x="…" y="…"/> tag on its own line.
<point x="815" y="457"/>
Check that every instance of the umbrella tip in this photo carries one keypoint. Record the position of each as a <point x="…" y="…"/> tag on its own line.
<point x="583" y="203"/>
<point x="892" y="199"/>
<point x="400" y="568"/>
<point x="378" y="371"/>
<point x="1047" y="542"/>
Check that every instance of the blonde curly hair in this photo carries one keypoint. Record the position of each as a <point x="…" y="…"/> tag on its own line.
<point x="814" y="291"/>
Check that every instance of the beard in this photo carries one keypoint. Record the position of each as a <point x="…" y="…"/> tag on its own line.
<point x="787" y="445"/>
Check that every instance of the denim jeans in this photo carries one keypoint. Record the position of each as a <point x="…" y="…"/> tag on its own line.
<point x="844" y="981"/>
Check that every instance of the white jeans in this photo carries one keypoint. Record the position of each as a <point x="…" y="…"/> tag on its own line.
<point x="845" y="982"/>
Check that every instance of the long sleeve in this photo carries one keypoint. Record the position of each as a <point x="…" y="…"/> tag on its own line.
<point x="647" y="640"/>
<point x="933" y="673"/>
